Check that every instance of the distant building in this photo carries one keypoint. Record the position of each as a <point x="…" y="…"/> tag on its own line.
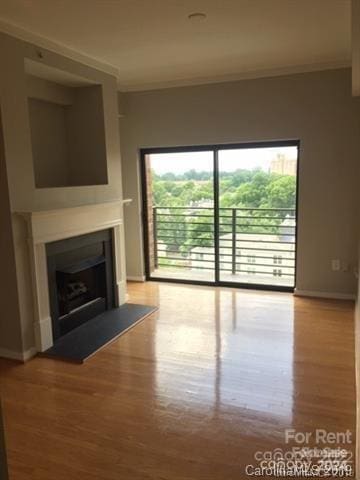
<point x="256" y="254"/>
<point x="283" y="165"/>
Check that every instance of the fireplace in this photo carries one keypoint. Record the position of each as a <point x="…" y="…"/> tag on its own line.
<point x="47" y="230"/>
<point x="81" y="280"/>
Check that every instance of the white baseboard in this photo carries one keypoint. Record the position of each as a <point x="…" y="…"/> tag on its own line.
<point x="135" y="279"/>
<point x="19" y="356"/>
<point x="333" y="295"/>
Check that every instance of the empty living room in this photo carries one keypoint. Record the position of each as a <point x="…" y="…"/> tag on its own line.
<point x="179" y="239"/>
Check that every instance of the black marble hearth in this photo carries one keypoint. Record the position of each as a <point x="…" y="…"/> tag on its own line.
<point x="84" y="341"/>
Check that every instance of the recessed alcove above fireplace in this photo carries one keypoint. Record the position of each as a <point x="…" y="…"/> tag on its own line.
<point x="81" y="280"/>
<point x="66" y="116"/>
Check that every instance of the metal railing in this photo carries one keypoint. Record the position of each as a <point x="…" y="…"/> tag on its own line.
<point x="251" y="241"/>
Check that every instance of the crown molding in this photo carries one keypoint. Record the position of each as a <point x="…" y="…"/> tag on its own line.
<point x="44" y="42"/>
<point x="248" y="75"/>
<point x="40" y="41"/>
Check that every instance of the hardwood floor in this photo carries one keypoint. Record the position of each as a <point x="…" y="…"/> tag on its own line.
<point x="192" y="392"/>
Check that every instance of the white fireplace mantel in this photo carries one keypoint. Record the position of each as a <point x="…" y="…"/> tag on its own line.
<point x="49" y="226"/>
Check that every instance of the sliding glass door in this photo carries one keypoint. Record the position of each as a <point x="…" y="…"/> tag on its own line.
<point x="222" y="214"/>
<point x="257" y="215"/>
<point x="179" y="203"/>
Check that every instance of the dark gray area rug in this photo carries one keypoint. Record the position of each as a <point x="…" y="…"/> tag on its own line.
<point x="82" y="342"/>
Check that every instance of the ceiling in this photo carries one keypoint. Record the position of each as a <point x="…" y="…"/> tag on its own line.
<point x="153" y="44"/>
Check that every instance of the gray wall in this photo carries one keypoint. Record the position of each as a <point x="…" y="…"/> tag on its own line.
<point x="316" y="108"/>
<point x="86" y="137"/>
<point x="10" y="331"/>
<point x="49" y="143"/>
<point x="357" y="374"/>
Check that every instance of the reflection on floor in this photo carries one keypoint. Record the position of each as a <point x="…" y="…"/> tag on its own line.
<point x="193" y="392"/>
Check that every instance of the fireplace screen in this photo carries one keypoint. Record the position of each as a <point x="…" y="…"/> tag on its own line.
<point x="80" y="280"/>
<point x="81" y="284"/>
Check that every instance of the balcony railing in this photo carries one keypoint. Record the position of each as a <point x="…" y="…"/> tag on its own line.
<point x="253" y="243"/>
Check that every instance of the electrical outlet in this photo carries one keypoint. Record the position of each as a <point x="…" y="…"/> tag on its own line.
<point x="335" y="265"/>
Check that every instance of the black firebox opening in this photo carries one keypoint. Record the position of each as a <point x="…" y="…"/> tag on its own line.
<point x="81" y="280"/>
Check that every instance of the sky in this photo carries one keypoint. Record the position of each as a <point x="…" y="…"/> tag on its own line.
<point x="229" y="160"/>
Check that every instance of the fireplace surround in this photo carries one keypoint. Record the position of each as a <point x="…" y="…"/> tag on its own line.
<point x="45" y="228"/>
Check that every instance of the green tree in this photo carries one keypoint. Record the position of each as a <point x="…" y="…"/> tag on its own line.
<point x="246" y="189"/>
<point x="281" y="192"/>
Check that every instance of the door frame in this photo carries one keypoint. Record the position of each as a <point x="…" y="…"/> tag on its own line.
<point x="215" y="149"/>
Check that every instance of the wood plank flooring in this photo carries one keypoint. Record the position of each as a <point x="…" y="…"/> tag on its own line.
<point x="193" y="392"/>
